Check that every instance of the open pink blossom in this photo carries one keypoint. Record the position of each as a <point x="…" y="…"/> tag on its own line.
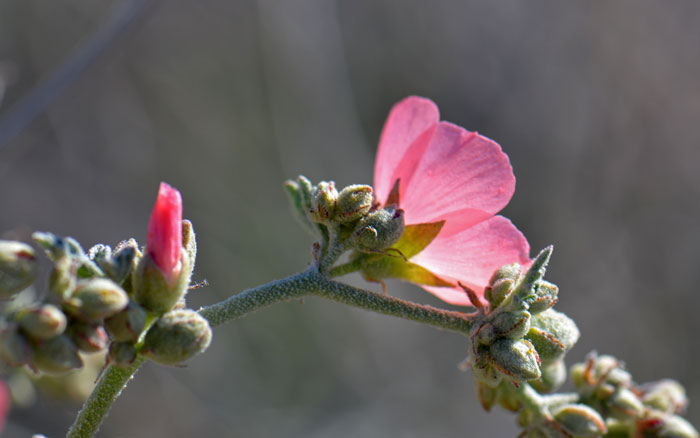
<point x="448" y="173"/>
<point x="164" y="240"/>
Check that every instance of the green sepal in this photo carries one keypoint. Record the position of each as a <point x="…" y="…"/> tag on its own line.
<point x="417" y="236"/>
<point x="377" y="267"/>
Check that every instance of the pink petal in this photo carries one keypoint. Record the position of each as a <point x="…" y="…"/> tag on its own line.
<point x="459" y="170"/>
<point x="407" y="120"/>
<point x="472" y="255"/>
<point x="164" y="239"/>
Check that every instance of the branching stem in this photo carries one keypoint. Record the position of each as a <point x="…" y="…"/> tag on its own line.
<point x="308" y="283"/>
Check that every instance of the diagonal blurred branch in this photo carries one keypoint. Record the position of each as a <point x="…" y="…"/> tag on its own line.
<point x="37" y="100"/>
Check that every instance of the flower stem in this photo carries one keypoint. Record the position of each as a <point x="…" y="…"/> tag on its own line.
<point x="346" y="268"/>
<point x="96" y="407"/>
<point x="309" y="282"/>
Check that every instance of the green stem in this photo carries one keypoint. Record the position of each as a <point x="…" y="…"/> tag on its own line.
<point x="309" y="282"/>
<point x="345" y="268"/>
<point x="96" y="407"/>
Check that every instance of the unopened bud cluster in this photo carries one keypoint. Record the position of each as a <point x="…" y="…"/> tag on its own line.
<point x="114" y="300"/>
<point x="351" y="212"/>
<point x="651" y="410"/>
<point x="518" y="337"/>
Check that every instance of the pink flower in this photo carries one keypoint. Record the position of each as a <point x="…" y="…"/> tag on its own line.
<point x="164" y="240"/>
<point x="448" y="173"/>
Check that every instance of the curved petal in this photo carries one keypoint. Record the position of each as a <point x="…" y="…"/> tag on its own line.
<point x="471" y="256"/>
<point x="407" y="120"/>
<point x="459" y="170"/>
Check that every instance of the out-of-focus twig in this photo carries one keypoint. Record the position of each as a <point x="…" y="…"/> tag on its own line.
<point x="37" y="100"/>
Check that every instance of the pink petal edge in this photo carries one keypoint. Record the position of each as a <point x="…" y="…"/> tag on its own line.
<point x="472" y="255"/>
<point x="407" y="120"/>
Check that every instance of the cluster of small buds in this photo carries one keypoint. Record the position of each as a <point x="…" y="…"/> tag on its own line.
<point x="650" y="411"/>
<point x="48" y="336"/>
<point x="518" y="337"/>
<point x="127" y="301"/>
<point x="351" y="214"/>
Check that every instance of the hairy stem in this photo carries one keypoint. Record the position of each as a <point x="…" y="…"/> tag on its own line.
<point x="309" y="282"/>
<point x="96" y="407"/>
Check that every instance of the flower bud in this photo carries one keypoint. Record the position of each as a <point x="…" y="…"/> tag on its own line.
<point x="580" y="421"/>
<point x="63" y="277"/>
<point x="553" y="334"/>
<point x="665" y="395"/>
<point x="299" y="193"/>
<point x="96" y="299"/>
<point x="545" y="297"/>
<point x="118" y="264"/>
<point x="378" y="230"/>
<point x="152" y="290"/>
<point x="128" y="324"/>
<point x="354" y="202"/>
<point x="15" y="350"/>
<point x="516" y="359"/>
<point x="498" y="291"/>
<point x="323" y="202"/>
<point x="660" y="425"/>
<point x="42" y="322"/>
<point x="177" y="336"/>
<point x="506" y="272"/>
<point x="88" y="337"/>
<point x="511" y="325"/>
<point x="624" y="404"/>
<point x="56" y="356"/>
<point x="164" y="239"/>
<point x="487" y="395"/>
<point x="553" y="376"/>
<point x="18" y="267"/>
<point x="122" y="354"/>
<point x="486" y="374"/>
<point x="164" y="272"/>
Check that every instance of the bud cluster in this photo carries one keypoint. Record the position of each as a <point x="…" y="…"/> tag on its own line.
<point x="351" y="213"/>
<point x="518" y="337"/>
<point x="119" y="301"/>
<point x="651" y="410"/>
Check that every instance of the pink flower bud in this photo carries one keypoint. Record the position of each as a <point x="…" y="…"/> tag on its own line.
<point x="164" y="240"/>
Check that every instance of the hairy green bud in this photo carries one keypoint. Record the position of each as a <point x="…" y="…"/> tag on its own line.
<point x="88" y="337"/>
<point x="354" y="202"/>
<point x="128" y="324"/>
<point x="323" y="202"/>
<point x="553" y="334"/>
<point x="96" y="299"/>
<point x="41" y="322"/>
<point x="516" y="358"/>
<point x="56" y="356"/>
<point x="665" y="395"/>
<point x="511" y="325"/>
<point x="580" y="421"/>
<point x="15" y="350"/>
<point x="378" y="230"/>
<point x="152" y="290"/>
<point x="122" y="354"/>
<point x="63" y="277"/>
<point x="18" y="267"/>
<point x="553" y="376"/>
<point x="177" y="336"/>
<point x="659" y="425"/>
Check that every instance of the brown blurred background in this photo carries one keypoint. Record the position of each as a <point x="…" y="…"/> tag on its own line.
<point x="597" y="104"/>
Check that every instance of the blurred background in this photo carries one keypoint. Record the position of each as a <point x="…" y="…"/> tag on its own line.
<point x="596" y="103"/>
